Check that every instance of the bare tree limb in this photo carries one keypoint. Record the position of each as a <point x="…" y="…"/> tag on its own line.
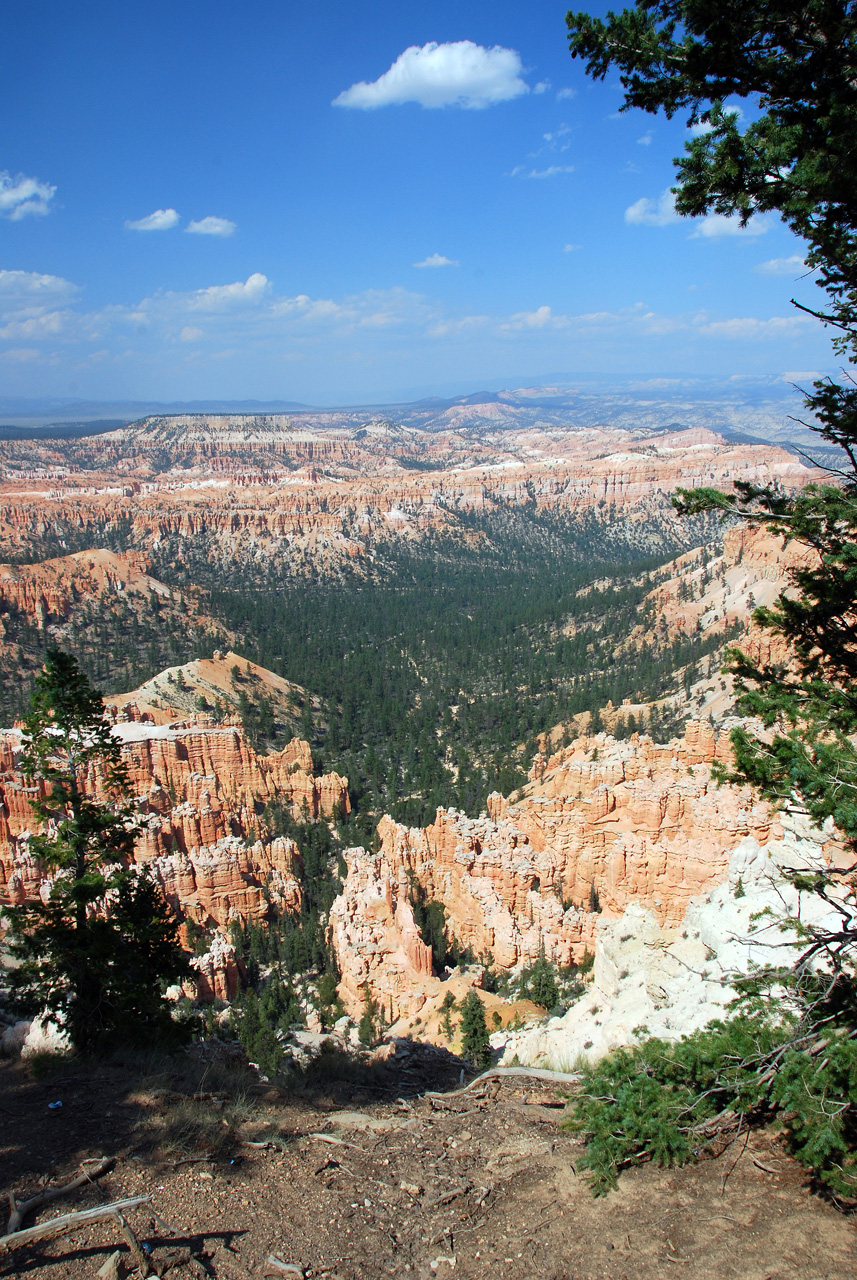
<point x="20" y="1209"/>
<point x="69" y="1222"/>
<point x="533" y="1073"/>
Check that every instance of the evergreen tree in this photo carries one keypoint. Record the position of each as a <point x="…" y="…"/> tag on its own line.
<point x="797" y="62"/>
<point x="367" y="1027"/>
<point x="446" y="1011"/>
<point x="542" y="983"/>
<point x="475" y="1045"/>
<point x="98" y="954"/>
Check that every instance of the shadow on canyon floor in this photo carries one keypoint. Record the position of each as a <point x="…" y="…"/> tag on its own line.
<point x="353" y="1173"/>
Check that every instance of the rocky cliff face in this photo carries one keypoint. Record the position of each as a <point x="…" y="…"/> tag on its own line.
<point x="200" y="791"/>
<point x="601" y="825"/>
<point x="324" y="496"/>
<point x="668" y="979"/>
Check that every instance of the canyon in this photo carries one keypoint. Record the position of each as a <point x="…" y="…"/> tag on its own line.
<point x="328" y="496"/>
<point x="147" y="522"/>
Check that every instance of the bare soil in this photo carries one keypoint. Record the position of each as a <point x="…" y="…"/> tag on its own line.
<point x="358" y="1180"/>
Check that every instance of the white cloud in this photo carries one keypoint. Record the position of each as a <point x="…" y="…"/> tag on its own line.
<point x="662" y="213"/>
<point x="542" y="86"/>
<point x="460" y="74"/>
<point x="219" y="297"/>
<point x="436" y="260"/>
<point x="190" y="334"/>
<point x="21" y="196"/>
<point x="30" y="288"/>
<point x="21" y="355"/>
<point x="160" y="220"/>
<point x="716" y="225"/>
<point x="653" y="213"/>
<point x="33" y="327"/>
<point x="792" y="266"/>
<point x="211" y="227"/>
<point x="520" y="171"/>
<point x="542" y="318"/>
<point x="646" y="140"/>
<point x="749" y="328"/>
<point x="570" y="248"/>
<point x="565" y="93"/>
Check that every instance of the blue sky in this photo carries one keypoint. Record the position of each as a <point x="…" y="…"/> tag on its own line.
<point x="333" y="203"/>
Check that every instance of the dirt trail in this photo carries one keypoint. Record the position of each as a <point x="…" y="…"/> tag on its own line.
<point x="352" y="1188"/>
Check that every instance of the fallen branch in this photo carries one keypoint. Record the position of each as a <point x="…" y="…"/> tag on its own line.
<point x="335" y="1142"/>
<point x="533" y="1073"/>
<point x="69" y="1222"/>
<point x="134" y="1245"/>
<point x="20" y="1209"/>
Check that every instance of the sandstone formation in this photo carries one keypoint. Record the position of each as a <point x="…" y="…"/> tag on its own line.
<point x="324" y="494"/>
<point x="216" y="682"/>
<point x="601" y="825"/>
<point x="201" y="790"/>
<point x="668" y="980"/>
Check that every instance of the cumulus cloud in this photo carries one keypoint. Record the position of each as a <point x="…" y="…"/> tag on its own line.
<point x="791" y="266"/>
<point x="31" y="288"/>
<point x="716" y="225"/>
<point x="542" y="318"/>
<point x="461" y="74"/>
<point x="220" y="297"/>
<point x="652" y="213"/>
<point x="21" y="197"/>
<point x="211" y="227"/>
<point x="33" y="327"/>
<point x="662" y="212"/>
<point x="646" y="140"/>
<point x="561" y="94"/>
<point x="437" y="260"/>
<point x="160" y="220"/>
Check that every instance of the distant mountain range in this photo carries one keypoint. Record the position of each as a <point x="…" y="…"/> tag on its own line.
<point x="742" y="410"/>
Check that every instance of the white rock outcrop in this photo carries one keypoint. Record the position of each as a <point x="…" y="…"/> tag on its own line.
<point x="668" y="982"/>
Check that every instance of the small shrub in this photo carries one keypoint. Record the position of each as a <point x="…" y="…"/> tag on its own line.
<point x="655" y="1100"/>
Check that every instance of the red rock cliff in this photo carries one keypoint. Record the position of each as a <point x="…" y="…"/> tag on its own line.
<point x="620" y="821"/>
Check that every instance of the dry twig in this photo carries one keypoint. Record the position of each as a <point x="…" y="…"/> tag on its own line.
<point x="275" y="1266"/>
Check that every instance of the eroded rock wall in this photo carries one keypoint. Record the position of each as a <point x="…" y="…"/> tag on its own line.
<point x="201" y="790"/>
<point x="601" y="824"/>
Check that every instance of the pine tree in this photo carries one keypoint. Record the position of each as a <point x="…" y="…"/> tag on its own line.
<point x="475" y="1045"/>
<point x="98" y="954"/>
<point x="367" y="1027"/>
<point x="542" y="983"/>
<point x="797" y="63"/>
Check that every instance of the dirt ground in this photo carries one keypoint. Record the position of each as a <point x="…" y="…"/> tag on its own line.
<point x="358" y="1181"/>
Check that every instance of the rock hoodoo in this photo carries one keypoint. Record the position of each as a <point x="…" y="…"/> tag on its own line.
<point x="601" y="825"/>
